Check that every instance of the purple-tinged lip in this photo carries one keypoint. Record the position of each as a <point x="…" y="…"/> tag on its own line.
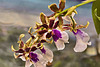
<point x="78" y="32"/>
<point x="34" y="57"/>
<point x="56" y="34"/>
<point x="43" y="50"/>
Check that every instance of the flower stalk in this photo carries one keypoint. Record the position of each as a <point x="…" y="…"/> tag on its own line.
<point x="83" y="3"/>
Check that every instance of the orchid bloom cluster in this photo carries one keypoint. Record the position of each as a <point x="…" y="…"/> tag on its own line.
<point x="52" y="29"/>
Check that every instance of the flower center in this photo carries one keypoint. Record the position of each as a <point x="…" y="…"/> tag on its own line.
<point x="56" y="34"/>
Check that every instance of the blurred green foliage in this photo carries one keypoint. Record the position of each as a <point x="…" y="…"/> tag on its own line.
<point x="96" y="15"/>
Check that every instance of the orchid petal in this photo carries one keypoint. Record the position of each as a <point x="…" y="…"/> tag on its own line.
<point x="80" y="45"/>
<point x="48" y="55"/>
<point x="67" y="18"/>
<point x="38" y="64"/>
<point x="82" y="41"/>
<point x="34" y="57"/>
<point x="44" y="36"/>
<point x="85" y="36"/>
<point x="43" y="50"/>
<point x="56" y="34"/>
<point x="42" y="59"/>
<point x="60" y="44"/>
<point x="65" y="37"/>
<point x="41" y="63"/>
<point x="28" y="63"/>
<point x="23" y="58"/>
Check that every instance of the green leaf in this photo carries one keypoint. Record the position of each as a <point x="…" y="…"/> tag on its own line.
<point x="95" y="11"/>
<point x="96" y="15"/>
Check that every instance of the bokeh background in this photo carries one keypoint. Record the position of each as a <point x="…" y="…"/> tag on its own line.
<point x="16" y="16"/>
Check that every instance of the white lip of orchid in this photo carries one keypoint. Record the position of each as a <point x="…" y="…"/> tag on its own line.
<point x="65" y="41"/>
<point x="80" y="50"/>
<point x="82" y="42"/>
<point x="43" y="60"/>
<point x="28" y="63"/>
<point x="41" y="63"/>
<point x="60" y="42"/>
<point x="80" y="47"/>
<point x="49" y="55"/>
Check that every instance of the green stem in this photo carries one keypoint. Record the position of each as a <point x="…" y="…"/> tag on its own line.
<point x="73" y="21"/>
<point x="83" y="3"/>
<point x="86" y="2"/>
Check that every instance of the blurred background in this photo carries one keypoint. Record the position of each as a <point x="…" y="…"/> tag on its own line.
<point x="16" y="16"/>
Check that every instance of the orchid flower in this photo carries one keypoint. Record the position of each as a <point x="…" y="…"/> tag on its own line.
<point x="82" y="41"/>
<point x="59" y="36"/>
<point x="28" y="52"/>
<point x="47" y="53"/>
<point x="49" y="28"/>
<point x="81" y="36"/>
<point x="34" y="52"/>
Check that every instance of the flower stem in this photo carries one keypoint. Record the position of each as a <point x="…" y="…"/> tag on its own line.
<point x="83" y="3"/>
<point x="73" y="22"/>
<point x="86" y="2"/>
